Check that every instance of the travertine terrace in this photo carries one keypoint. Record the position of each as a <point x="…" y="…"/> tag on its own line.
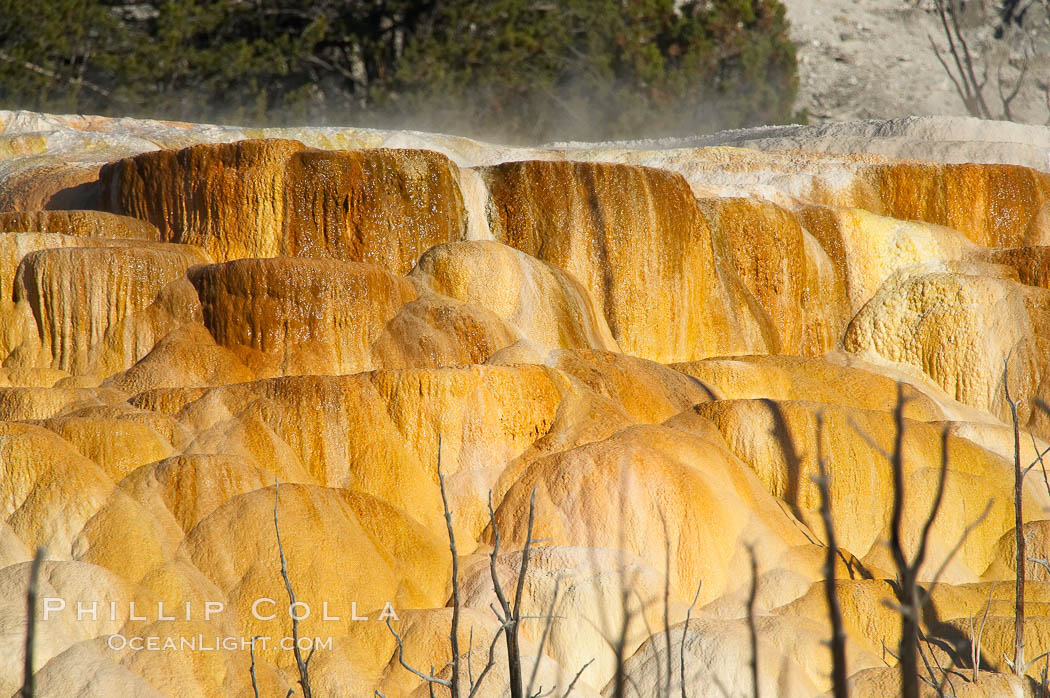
<point x="644" y="335"/>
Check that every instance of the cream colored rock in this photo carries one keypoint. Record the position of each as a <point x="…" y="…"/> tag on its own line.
<point x="581" y="591"/>
<point x="378" y="290"/>
<point x="345" y="546"/>
<point x="647" y="484"/>
<point x="426" y="637"/>
<point x="32" y="403"/>
<point x="186" y="357"/>
<point x="779" y="440"/>
<point x="866" y="249"/>
<point x="70" y="582"/>
<point x="885" y="681"/>
<point x="798" y="378"/>
<point x="548" y="307"/>
<point x="86" y="670"/>
<point x="50" y="491"/>
<point x="715" y="656"/>
<point x="646" y="391"/>
<point x="435" y="331"/>
<point x="960" y="328"/>
<point x="346" y="431"/>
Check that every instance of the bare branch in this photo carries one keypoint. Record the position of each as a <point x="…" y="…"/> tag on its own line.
<point x="429" y="678"/>
<point x="685" y="632"/>
<point x="839" y="673"/>
<point x="301" y="665"/>
<point x="470" y="651"/>
<point x="909" y="669"/>
<point x="453" y="636"/>
<point x="511" y="616"/>
<point x="576" y="678"/>
<point x="497" y="587"/>
<point x="920" y="554"/>
<point x="32" y="592"/>
<point x="1007" y="99"/>
<point x="75" y="82"/>
<point x="975" y="639"/>
<point x="251" y="669"/>
<point x="475" y="687"/>
<point x="751" y="629"/>
<point x="546" y="633"/>
<point x="1018" y="662"/>
<point x="968" y="60"/>
<point x="963" y="95"/>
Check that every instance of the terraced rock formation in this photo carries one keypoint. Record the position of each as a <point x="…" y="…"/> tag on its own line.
<point x="638" y="341"/>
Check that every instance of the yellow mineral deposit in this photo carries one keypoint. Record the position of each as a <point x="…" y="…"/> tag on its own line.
<point x="207" y="331"/>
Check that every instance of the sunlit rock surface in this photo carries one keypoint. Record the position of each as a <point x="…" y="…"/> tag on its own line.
<point x="652" y="346"/>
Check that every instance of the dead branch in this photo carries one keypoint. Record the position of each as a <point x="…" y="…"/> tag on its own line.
<point x="911" y="598"/>
<point x="908" y="651"/>
<point x="685" y="632"/>
<point x="576" y="678"/>
<point x="429" y="678"/>
<point x="52" y="75"/>
<point x="453" y="636"/>
<point x="1018" y="661"/>
<point x="510" y="616"/>
<point x="976" y="637"/>
<point x="963" y="68"/>
<point x="303" y="665"/>
<point x="251" y="669"/>
<point x="751" y="629"/>
<point x="33" y="591"/>
<point x="491" y="662"/>
<point x="546" y="633"/>
<point x="839" y="672"/>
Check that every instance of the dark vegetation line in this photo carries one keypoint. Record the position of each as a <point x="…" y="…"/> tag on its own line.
<point x="522" y="70"/>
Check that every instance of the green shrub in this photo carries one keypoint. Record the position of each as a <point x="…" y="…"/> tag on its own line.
<point x="516" y="69"/>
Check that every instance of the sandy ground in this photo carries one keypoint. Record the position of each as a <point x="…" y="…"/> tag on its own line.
<point x="872" y="59"/>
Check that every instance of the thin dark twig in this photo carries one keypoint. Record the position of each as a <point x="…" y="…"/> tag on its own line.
<point x="839" y="672"/>
<point x="667" y="603"/>
<point x="951" y="76"/>
<point x="301" y="665"/>
<point x="28" y="677"/>
<point x="251" y="669"/>
<point x="546" y="633"/>
<point x="1018" y="661"/>
<point x="429" y="678"/>
<point x="453" y="636"/>
<point x="470" y="651"/>
<point x="975" y="637"/>
<point x="685" y="632"/>
<point x="751" y="629"/>
<point x="475" y="687"/>
<point x="576" y="678"/>
<point x="511" y="615"/>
